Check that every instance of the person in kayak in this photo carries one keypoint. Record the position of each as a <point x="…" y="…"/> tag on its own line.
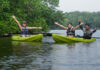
<point x="24" y="28"/>
<point x="70" y="29"/>
<point x="87" y="30"/>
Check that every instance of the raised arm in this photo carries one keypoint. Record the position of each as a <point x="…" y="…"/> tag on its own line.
<point x="61" y="25"/>
<point x="34" y="27"/>
<point x="95" y="29"/>
<point x="79" y="21"/>
<point x="78" y="26"/>
<point x="17" y="22"/>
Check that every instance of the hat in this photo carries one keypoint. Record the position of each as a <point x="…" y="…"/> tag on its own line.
<point x="24" y="22"/>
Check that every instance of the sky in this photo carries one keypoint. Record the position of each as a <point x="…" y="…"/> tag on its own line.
<point x="79" y="5"/>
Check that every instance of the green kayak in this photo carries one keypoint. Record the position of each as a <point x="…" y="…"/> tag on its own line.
<point x="65" y="39"/>
<point x="34" y="38"/>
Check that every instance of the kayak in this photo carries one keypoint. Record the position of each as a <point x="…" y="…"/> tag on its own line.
<point x="33" y="38"/>
<point x="65" y="39"/>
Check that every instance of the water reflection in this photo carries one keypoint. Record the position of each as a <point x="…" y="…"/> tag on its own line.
<point x="49" y="56"/>
<point x="25" y="48"/>
<point x="5" y="47"/>
<point x="27" y="55"/>
<point x="75" y="56"/>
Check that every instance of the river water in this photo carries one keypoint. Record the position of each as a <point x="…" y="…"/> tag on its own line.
<point x="49" y="55"/>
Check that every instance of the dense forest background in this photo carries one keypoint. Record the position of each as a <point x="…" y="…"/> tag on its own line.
<point x="40" y="13"/>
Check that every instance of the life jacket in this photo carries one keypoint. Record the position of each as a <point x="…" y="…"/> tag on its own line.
<point x="24" y="31"/>
<point x="87" y="34"/>
<point x="70" y="32"/>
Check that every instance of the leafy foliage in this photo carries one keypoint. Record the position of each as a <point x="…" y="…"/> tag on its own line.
<point x="40" y="13"/>
<point x="35" y="12"/>
<point x="91" y="18"/>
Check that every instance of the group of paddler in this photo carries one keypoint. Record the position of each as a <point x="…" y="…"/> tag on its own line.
<point x="70" y="29"/>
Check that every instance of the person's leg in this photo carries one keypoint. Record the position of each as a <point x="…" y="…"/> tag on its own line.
<point x="78" y="36"/>
<point x="22" y="35"/>
<point x="86" y="37"/>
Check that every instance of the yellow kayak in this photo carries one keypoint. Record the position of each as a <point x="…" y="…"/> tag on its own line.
<point x="34" y="38"/>
<point x="65" y="39"/>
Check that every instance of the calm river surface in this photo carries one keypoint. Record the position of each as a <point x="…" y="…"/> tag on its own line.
<point x="49" y="55"/>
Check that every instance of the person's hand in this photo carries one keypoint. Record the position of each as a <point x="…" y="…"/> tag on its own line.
<point x="13" y="17"/>
<point x="40" y="27"/>
<point x="81" y="23"/>
<point x="56" y="23"/>
<point x="79" y="19"/>
<point x="95" y="28"/>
